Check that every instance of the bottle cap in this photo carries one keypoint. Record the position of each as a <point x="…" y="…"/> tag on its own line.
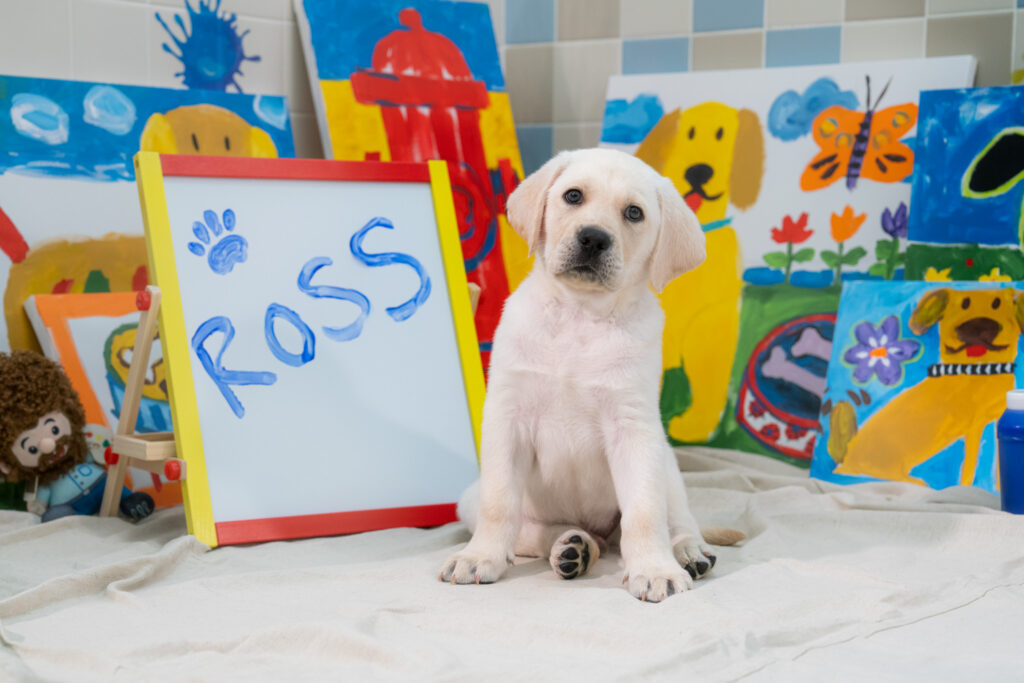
<point x="1015" y="399"/>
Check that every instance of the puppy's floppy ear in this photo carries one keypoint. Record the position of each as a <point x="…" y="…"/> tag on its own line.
<point x="525" y="208"/>
<point x="929" y="310"/>
<point x="680" y="246"/>
<point x="658" y="143"/>
<point x="747" y="161"/>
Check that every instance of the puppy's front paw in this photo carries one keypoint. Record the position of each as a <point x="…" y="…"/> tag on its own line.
<point x="573" y="553"/>
<point x="469" y="566"/>
<point x="695" y="557"/>
<point x="655" y="582"/>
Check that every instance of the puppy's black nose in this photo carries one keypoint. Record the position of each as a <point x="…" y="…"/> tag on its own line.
<point x="698" y="174"/>
<point x="593" y="240"/>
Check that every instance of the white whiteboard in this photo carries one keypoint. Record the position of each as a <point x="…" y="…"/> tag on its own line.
<point x="379" y="421"/>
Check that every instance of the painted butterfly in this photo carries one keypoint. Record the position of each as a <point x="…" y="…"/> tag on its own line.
<point x="861" y="144"/>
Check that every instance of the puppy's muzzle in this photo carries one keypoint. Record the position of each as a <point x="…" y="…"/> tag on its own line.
<point x="978" y="336"/>
<point x="592" y="243"/>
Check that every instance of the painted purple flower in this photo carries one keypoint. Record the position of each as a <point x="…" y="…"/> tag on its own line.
<point x="880" y="351"/>
<point x="895" y="224"/>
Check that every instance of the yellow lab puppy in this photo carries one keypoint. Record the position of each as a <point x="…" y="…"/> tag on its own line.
<point x="572" y="436"/>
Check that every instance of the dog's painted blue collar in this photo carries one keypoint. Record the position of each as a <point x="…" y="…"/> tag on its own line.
<point x="714" y="225"/>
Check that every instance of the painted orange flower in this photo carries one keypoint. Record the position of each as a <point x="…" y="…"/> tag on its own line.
<point x="845" y="225"/>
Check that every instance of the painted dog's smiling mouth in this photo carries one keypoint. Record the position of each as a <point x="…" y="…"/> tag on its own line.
<point x="977" y="349"/>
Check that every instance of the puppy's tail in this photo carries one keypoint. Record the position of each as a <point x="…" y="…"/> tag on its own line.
<point x="715" y="536"/>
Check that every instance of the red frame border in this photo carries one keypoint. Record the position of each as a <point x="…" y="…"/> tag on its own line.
<point x="332" y="524"/>
<point x="293" y="169"/>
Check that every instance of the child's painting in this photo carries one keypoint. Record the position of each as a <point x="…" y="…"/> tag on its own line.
<point x="968" y="188"/>
<point x="92" y="336"/>
<point x="801" y="179"/>
<point x="412" y="80"/>
<point x="69" y="211"/>
<point x="778" y="376"/>
<point x="918" y="377"/>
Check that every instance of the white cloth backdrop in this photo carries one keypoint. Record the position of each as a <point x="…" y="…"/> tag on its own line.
<point x="834" y="583"/>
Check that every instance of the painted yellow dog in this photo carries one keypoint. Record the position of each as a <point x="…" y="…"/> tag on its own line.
<point x="714" y="154"/>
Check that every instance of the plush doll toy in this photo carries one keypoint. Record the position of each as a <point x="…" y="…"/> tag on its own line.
<point x="42" y="442"/>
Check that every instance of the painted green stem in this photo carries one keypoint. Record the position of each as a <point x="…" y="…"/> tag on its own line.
<point x="789" y="259"/>
<point x="839" y="265"/>
<point x="890" y="265"/>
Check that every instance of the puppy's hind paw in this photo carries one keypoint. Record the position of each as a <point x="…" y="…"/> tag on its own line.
<point x="573" y="553"/>
<point x="468" y="567"/>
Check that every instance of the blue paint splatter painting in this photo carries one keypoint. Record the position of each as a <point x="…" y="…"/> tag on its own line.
<point x="92" y="130"/>
<point x="969" y="167"/>
<point x="209" y="48"/>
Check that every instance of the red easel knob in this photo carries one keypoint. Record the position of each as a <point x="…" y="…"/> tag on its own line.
<point x="143" y="300"/>
<point x="172" y="470"/>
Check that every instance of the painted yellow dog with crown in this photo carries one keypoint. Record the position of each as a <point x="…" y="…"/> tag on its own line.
<point x="714" y="154"/>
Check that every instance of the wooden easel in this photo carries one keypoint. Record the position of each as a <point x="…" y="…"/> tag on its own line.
<point x="150" y="452"/>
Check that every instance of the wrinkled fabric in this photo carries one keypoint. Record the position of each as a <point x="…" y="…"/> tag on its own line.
<point x="833" y="583"/>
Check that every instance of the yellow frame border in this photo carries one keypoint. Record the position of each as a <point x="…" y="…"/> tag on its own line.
<point x="458" y="294"/>
<point x="163" y="272"/>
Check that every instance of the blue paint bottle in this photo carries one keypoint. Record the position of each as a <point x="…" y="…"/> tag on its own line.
<point x="1010" y="432"/>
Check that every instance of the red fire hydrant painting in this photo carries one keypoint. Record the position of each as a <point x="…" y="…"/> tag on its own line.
<point x="432" y="107"/>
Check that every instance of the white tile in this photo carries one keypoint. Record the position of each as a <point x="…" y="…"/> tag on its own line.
<point x="35" y="38"/>
<point x="1017" y="73"/>
<point x="575" y="136"/>
<point x="949" y="6"/>
<point x="265" y="9"/>
<point x="110" y="42"/>
<point x="296" y="77"/>
<point x="646" y="18"/>
<point x="874" y="40"/>
<point x="581" y="71"/>
<point x="307" y="136"/>
<point x="786" y="13"/>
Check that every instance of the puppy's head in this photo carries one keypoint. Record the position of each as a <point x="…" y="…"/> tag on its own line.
<point x="604" y="220"/>
<point x="975" y="326"/>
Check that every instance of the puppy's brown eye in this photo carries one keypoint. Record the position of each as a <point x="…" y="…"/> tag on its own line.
<point x="692" y="132"/>
<point x="573" y="196"/>
<point x="718" y="134"/>
<point x="995" y="303"/>
<point x="634" y="213"/>
<point x="966" y="303"/>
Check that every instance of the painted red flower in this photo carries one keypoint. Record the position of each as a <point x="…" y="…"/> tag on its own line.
<point x="793" y="432"/>
<point x="770" y="432"/>
<point x="792" y="232"/>
<point x="756" y="409"/>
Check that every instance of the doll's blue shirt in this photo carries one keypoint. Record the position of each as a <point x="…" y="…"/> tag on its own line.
<point x="71" y="485"/>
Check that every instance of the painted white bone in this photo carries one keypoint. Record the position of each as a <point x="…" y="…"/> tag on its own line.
<point x="778" y="366"/>
<point x="811" y="343"/>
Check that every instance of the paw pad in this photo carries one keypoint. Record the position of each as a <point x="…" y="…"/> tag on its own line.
<point x="570" y="557"/>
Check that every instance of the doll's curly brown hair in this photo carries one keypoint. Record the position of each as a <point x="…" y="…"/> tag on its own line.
<point x="31" y="386"/>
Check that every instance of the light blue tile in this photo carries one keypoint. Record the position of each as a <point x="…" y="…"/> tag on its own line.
<point x="798" y="46"/>
<point x="535" y="145"/>
<point x="529" y="21"/>
<point x="660" y="55"/>
<point x="725" y="15"/>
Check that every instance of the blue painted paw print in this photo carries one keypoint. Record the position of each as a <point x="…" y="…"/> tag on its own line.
<point x="226" y="250"/>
